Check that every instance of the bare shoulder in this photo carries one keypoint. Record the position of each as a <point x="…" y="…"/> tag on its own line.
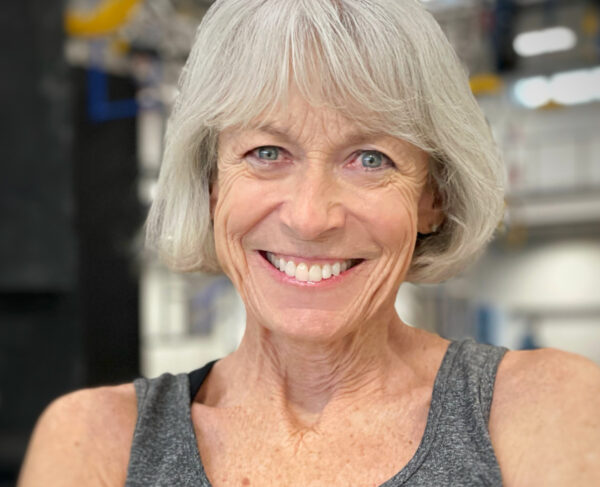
<point x="83" y="438"/>
<point x="545" y="422"/>
<point x="545" y="373"/>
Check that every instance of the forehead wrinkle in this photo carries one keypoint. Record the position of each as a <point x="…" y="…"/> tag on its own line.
<point x="280" y="133"/>
<point x="300" y="124"/>
<point x="338" y="139"/>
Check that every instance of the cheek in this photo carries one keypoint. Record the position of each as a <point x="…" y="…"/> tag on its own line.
<point x="229" y="200"/>
<point x="242" y="203"/>
<point x="390" y="214"/>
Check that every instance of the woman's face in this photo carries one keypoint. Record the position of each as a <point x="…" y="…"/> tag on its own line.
<point x="306" y="196"/>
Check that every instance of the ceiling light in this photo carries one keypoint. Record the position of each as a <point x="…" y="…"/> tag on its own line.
<point x="567" y="88"/>
<point x="533" y="92"/>
<point x="544" y="41"/>
<point x="574" y="87"/>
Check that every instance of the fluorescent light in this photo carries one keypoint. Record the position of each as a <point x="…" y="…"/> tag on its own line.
<point x="574" y="87"/>
<point x="538" y="42"/>
<point x="596" y="80"/>
<point x="533" y="92"/>
<point x="567" y="88"/>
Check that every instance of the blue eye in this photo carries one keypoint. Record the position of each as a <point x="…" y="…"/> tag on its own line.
<point x="268" y="152"/>
<point x="372" y="159"/>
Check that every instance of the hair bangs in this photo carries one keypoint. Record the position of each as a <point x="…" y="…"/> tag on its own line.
<point x="324" y="53"/>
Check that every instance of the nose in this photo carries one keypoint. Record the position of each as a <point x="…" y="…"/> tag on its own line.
<point x="313" y="207"/>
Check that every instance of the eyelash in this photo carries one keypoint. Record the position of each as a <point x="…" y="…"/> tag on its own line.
<point x="387" y="161"/>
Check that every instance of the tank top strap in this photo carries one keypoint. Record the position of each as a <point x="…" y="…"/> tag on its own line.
<point x="472" y="372"/>
<point x="457" y="448"/>
<point x="164" y="451"/>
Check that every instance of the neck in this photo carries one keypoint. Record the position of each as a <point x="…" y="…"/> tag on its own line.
<point x="307" y="377"/>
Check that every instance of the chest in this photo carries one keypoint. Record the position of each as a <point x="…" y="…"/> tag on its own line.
<point x="363" y="448"/>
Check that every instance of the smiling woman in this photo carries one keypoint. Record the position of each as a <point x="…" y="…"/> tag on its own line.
<point x="322" y="152"/>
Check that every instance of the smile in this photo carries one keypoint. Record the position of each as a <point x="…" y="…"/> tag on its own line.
<point x="307" y="271"/>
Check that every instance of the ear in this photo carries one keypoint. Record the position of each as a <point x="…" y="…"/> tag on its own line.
<point x="214" y="196"/>
<point x="430" y="215"/>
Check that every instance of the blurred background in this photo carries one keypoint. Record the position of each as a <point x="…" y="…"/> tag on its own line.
<point x="86" y="91"/>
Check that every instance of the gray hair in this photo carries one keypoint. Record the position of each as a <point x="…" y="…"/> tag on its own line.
<point x="385" y="64"/>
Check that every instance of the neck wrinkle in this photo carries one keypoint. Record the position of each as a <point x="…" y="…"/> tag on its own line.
<point x="307" y="379"/>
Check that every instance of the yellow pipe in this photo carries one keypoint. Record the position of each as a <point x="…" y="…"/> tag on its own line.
<point x="104" y="19"/>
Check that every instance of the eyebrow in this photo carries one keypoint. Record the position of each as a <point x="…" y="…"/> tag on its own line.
<point x="281" y="133"/>
<point x="351" y="138"/>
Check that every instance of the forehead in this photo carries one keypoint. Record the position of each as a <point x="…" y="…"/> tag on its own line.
<point x="297" y="121"/>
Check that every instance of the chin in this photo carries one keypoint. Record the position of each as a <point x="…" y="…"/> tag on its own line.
<point x="308" y="325"/>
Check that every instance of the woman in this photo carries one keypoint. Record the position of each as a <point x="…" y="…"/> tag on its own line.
<point x="322" y="152"/>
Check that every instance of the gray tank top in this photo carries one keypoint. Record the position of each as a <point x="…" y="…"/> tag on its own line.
<point x="455" y="449"/>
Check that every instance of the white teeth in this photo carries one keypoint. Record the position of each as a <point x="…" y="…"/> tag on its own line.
<point x="303" y="273"/>
<point x="314" y="274"/>
<point x="290" y="268"/>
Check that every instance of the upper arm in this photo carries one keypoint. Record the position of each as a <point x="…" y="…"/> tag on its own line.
<point x="82" y="438"/>
<point x="545" y="419"/>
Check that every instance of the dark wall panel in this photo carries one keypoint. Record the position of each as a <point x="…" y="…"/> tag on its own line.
<point x="37" y="245"/>
<point x="108" y="218"/>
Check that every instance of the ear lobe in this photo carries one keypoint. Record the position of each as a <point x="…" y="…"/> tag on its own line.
<point x="430" y="216"/>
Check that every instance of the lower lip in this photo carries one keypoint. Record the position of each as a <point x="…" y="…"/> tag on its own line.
<point x="323" y="283"/>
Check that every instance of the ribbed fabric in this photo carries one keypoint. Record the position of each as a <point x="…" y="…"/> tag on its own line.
<point x="455" y="449"/>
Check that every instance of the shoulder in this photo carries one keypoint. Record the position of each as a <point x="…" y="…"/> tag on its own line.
<point x="544" y="420"/>
<point x="542" y="376"/>
<point x="83" y="438"/>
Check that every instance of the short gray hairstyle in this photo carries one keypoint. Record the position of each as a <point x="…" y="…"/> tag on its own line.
<point x="385" y="64"/>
